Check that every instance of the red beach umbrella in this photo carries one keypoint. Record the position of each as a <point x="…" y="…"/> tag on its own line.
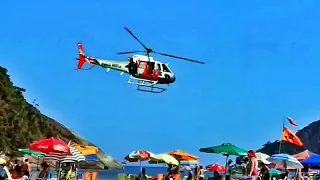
<point x="51" y="146"/>
<point x="216" y="167"/>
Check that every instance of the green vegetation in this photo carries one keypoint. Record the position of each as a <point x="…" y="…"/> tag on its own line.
<point x="310" y="136"/>
<point x="21" y="123"/>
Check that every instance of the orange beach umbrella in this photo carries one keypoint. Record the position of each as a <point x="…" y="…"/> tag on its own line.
<point x="183" y="156"/>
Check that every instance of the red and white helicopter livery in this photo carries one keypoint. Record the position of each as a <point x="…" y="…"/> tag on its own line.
<point x="144" y="70"/>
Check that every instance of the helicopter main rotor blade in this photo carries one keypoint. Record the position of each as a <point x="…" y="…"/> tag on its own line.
<point x="145" y="47"/>
<point x="129" y="52"/>
<point x="179" y="57"/>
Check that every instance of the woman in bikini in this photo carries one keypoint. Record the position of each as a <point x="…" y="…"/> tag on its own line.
<point x="252" y="166"/>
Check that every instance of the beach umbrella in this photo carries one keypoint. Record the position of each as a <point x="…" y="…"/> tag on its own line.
<point x="216" y="167"/>
<point x="189" y="162"/>
<point x="3" y="161"/>
<point x="225" y="149"/>
<point x="285" y="160"/>
<point x="139" y="155"/>
<point x="313" y="160"/>
<point x="163" y="158"/>
<point x="50" y="146"/>
<point x="262" y="157"/>
<point x="54" y="149"/>
<point x="303" y="155"/>
<point x="86" y="150"/>
<point x="183" y="156"/>
<point x="76" y="156"/>
<point x="275" y="172"/>
<point x="31" y="153"/>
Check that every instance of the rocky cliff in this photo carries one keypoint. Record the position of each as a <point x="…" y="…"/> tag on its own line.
<point x="21" y="123"/>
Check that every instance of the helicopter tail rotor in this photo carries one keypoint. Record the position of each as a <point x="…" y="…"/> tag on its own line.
<point x="83" y="59"/>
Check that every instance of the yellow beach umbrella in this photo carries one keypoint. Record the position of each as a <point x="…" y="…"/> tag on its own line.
<point x="183" y="156"/>
<point x="164" y="158"/>
<point x="3" y="161"/>
<point x="86" y="150"/>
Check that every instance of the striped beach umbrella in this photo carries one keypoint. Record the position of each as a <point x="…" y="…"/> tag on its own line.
<point x="76" y="156"/>
<point x="54" y="156"/>
<point x="139" y="155"/>
<point x="286" y="161"/>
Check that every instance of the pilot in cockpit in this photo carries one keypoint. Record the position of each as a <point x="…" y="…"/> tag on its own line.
<point x="149" y="68"/>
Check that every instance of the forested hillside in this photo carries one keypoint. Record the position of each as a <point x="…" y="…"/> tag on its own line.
<point x="21" y="123"/>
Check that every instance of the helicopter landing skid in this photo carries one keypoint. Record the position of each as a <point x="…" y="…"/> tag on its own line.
<point x="146" y="85"/>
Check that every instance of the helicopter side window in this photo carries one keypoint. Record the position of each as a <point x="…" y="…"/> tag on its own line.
<point x="165" y="68"/>
<point x="159" y="67"/>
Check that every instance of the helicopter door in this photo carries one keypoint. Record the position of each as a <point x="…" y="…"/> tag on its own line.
<point x="158" y="70"/>
<point x="141" y="66"/>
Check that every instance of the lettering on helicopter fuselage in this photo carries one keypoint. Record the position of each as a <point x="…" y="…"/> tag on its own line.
<point x="116" y="65"/>
<point x="106" y="65"/>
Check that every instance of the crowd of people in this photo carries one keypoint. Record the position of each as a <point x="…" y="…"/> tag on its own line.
<point x="248" y="166"/>
<point x="23" y="170"/>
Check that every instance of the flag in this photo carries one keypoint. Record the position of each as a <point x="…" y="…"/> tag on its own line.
<point x="291" y="121"/>
<point x="291" y="137"/>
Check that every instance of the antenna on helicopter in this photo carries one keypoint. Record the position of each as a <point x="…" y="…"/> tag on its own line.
<point x="149" y="50"/>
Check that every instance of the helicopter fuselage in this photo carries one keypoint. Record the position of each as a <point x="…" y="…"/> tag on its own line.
<point x="139" y="66"/>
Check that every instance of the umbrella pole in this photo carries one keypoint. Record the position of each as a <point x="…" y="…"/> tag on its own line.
<point x="140" y="169"/>
<point x="227" y="168"/>
<point x="58" y="175"/>
<point x="38" y="164"/>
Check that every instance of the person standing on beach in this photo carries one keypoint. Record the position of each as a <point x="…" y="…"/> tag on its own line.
<point x="201" y="173"/>
<point x="252" y="166"/>
<point x="196" y="172"/>
<point x="228" y="169"/>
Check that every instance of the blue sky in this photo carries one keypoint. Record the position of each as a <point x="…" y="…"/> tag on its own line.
<point x="262" y="63"/>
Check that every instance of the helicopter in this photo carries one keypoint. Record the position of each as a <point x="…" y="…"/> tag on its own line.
<point x="145" y="72"/>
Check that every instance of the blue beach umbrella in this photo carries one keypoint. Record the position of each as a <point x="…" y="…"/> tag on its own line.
<point x="313" y="160"/>
<point x="285" y="160"/>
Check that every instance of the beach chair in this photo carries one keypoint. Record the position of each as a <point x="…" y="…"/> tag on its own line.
<point x="160" y="176"/>
<point x="86" y="176"/>
<point x="122" y="177"/>
<point x="177" y="177"/>
<point x="94" y="176"/>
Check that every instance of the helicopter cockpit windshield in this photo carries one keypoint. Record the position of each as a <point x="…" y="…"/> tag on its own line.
<point x="165" y="68"/>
